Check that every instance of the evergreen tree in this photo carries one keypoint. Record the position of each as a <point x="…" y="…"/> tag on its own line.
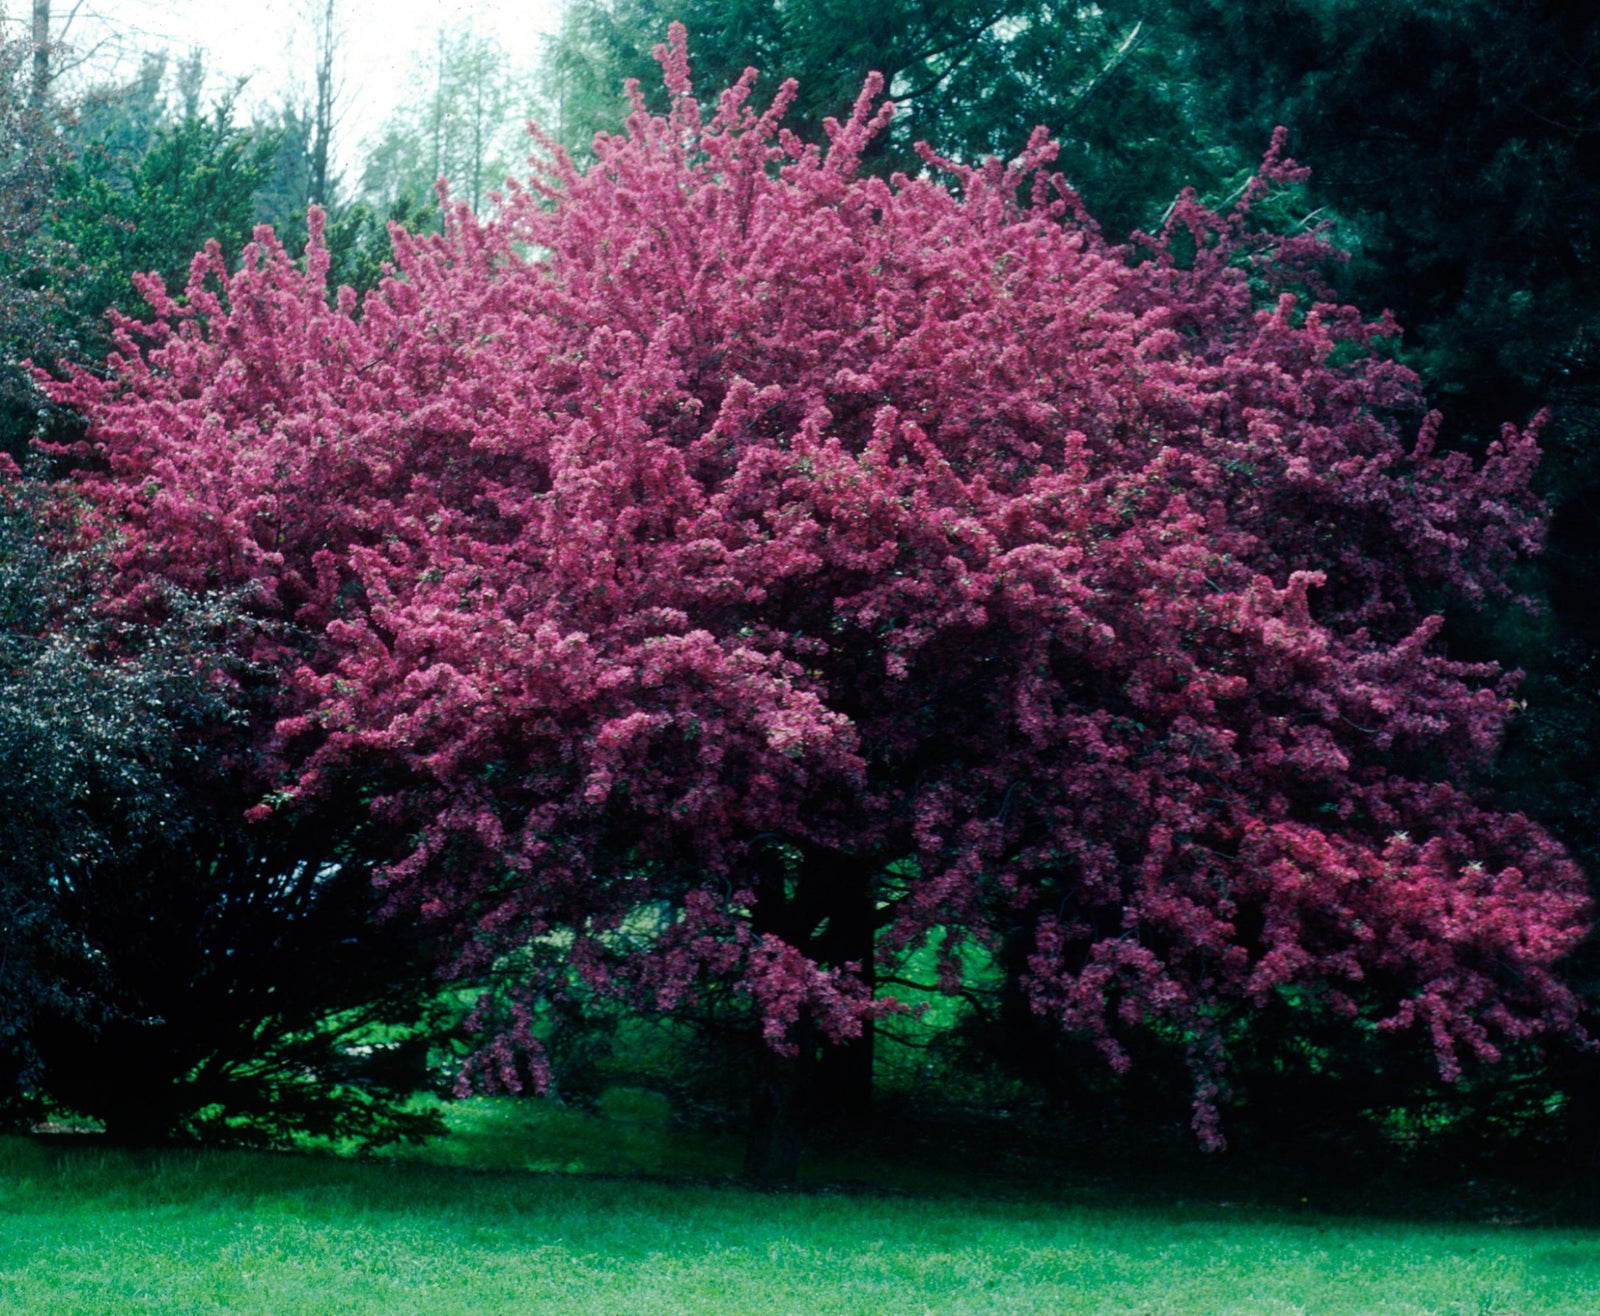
<point x="37" y="269"/>
<point x="969" y="77"/>
<point x="1458" y="141"/>
<point x="129" y="210"/>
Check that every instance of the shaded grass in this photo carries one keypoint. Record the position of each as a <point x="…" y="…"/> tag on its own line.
<point x="634" y="1133"/>
<point x="87" y="1230"/>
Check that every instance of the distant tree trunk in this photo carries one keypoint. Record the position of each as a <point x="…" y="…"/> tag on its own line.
<point x="323" y="110"/>
<point x="41" y="53"/>
<point x="438" y="115"/>
<point x="190" y="81"/>
<point x="1582" y="1114"/>
<point x="477" y="139"/>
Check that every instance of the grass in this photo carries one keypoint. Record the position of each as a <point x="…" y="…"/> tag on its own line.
<point x="86" y="1230"/>
<point x="634" y="1134"/>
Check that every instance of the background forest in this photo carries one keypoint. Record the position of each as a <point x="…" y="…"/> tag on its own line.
<point x="170" y="969"/>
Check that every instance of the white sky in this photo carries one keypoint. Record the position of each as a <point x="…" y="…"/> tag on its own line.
<point x="271" y="43"/>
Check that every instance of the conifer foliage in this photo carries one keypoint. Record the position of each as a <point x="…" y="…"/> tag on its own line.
<point x="733" y="570"/>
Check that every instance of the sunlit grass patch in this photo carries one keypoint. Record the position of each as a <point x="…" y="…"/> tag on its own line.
<point x="88" y="1231"/>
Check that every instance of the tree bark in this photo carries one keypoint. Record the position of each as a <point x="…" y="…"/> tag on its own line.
<point x="825" y="904"/>
<point x="772" y="1140"/>
<point x="842" y="1088"/>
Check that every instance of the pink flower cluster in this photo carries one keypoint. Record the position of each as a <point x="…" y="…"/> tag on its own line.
<point x="721" y="493"/>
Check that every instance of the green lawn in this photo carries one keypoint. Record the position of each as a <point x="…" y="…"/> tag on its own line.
<point x="89" y="1230"/>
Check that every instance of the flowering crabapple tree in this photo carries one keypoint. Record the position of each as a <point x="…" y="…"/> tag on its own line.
<point x="732" y="571"/>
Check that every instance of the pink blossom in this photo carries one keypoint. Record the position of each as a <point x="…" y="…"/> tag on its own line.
<point x="719" y="499"/>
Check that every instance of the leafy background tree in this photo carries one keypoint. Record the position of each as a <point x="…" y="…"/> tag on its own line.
<point x="89" y="741"/>
<point x="466" y="122"/>
<point x="1456" y="144"/>
<point x="971" y="78"/>
<point x="235" y="982"/>
<point x="171" y="971"/>
<point x="38" y="271"/>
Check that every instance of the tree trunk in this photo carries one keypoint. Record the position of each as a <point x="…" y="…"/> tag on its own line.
<point x="842" y="1087"/>
<point x="772" y="1140"/>
<point x="842" y="1090"/>
<point x="41" y="52"/>
<point x="327" y="45"/>
<point x="826" y="905"/>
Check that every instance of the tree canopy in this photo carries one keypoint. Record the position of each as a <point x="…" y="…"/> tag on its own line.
<point x="732" y="569"/>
